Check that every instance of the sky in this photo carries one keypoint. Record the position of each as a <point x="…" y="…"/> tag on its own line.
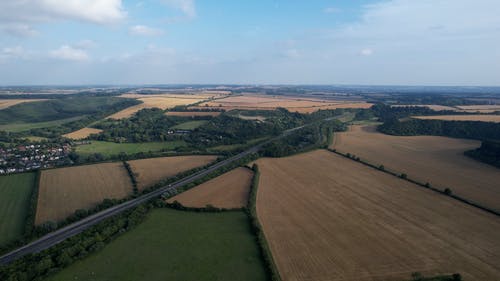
<point x="361" y="42"/>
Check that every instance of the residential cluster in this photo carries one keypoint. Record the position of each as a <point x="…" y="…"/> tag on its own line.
<point x="30" y="157"/>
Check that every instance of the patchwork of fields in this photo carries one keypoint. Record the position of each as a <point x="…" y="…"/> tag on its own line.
<point x="15" y="194"/>
<point x="437" y="160"/>
<point x="266" y="102"/>
<point x="65" y="190"/>
<point x="330" y="218"/>
<point x="229" y="191"/>
<point x="175" y="245"/>
<point x="151" y="171"/>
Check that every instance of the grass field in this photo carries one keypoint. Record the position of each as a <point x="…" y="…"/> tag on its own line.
<point x="192" y="113"/>
<point x="19" y="127"/>
<point x="327" y="217"/>
<point x="112" y="148"/>
<point x="229" y="147"/>
<point x="65" y="190"/>
<point x="151" y="171"/>
<point x="484" y="118"/>
<point x="267" y="102"/>
<point x="82" y="133"/>
<point x="437" y="160"/>
<point x="175" y="245"/>
<point x="229" y="190"/>
<point x="15" y="193"/>
<point x="190" y="125"/>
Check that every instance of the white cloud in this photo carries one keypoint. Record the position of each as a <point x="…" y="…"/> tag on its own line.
<point x="17" y="52"/>
<point x="331" y="10"/>
<point x="70" y="53"/>
<point x="366" y="52"/>
<point x="188" y="7"/>
<point x="143" y="30"/>
<point x="18" y="16"/>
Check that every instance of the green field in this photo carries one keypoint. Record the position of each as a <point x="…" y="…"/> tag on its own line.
<point x="190" y="125"/>
<point x="19" y="127"/>
<point x="176" y="245"/>
<point x="112" y="148"/>
<point x="15" y="193"/>
<point x="230" y="147"/>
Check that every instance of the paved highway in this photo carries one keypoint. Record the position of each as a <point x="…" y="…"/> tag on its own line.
<point x="66" y="232"/>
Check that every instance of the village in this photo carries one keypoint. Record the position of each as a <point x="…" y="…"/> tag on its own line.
<point x="31" y="157"/>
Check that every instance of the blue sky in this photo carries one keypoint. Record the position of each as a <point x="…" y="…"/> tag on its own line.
<point x="398" y="42"/>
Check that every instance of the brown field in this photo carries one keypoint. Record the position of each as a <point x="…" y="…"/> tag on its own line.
<point x="153" y="170"/>
<point x="326" y="217"/>
<point x="437" y="160"/>
<point x="65" y="190"/>
<point x="484" y="118"/>
<point x="264" y="102"/>
<point x="162" y="101"/>
<point x="229" y="191"/>
<point x="82" y="133"/>
<point x="192" y="113"/>
<point x="480" y="108"/>
<point x="10" y="102"/>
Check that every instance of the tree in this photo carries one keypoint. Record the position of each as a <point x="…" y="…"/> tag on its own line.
<point x="447" y="191"/>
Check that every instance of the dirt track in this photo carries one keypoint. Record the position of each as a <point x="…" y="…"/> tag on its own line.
<point x="330" y="218"/>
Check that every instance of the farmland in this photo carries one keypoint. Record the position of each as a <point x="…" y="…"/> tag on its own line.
<point x="176" y="245"/>
<point x="484" y="118"/>
<point x="294" y="104"/>
<point x="65" y="190"/>
<point x="190" y="125"/>
<point x="193" y="113"/>
<point x="15" y="193"/>
<point x="163" y="101"/>
<point x="21" y="126"/>
<point x="82" y="133"/>
<point x="112" y="148"/>
<point x="437" y="160"/>
<point x="10" y="102"/>
<point x="229" y="190"/>
<point x="153" y="170"/>
<point x="330" y="218"/>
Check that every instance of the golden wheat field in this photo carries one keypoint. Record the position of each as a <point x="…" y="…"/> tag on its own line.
<point x="266" y="102"/>
<point x="82" y="133"/>
<point x="5" y="103"/>
<point x="162" y="101"/>
<point x="327" y="217"/>
<point x="153" y="170"/>
<point x="437" y="160"/>
<point x="483" y="118"/>
<point x="65" y="190"/>
<point x="229" y="191"/>
<point x="193" y="113"/>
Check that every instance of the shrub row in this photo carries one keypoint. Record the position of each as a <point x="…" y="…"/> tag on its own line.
<point x="131" y="174"/>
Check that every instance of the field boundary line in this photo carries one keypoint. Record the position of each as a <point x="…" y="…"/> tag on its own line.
<point x="420" y="184"/>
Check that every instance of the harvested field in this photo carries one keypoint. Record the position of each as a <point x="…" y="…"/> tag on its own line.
<point x="483" y="118"/>
<point x="65" y="190"/>
<point x="326" y="217"/>
<point x="431" y="106"/>
<point x="153" y="170"/>
<point x="164" y="101"/>
<point x="437" y="160"/>
<point x="265" y="102"/>
<point x="480" y="108"/>
<point x="82" y="133"/>
<point x="193" y="113"/>
<point x="10" y="102"/>
<point x="229" y="191"/>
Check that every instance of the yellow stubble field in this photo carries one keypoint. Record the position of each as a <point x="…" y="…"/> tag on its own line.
<point x="82" y="133"/>
<point x="439" y="161"/>
<point x="327" y="217"/>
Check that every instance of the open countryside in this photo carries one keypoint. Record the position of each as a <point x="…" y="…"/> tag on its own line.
<point x="65" y="190"/>
<point x="327" y="217"/>
<point x="82" y="133"/>
<point x="439" y="161"/>
<point x="177" y="245"/>
<point x="484" y="118"/>
<point x="228" y="191"/>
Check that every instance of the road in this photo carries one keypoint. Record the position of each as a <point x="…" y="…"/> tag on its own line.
<point x="68" y="231"/>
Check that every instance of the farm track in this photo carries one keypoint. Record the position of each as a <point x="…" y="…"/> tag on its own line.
<point x="66" y="232"/>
